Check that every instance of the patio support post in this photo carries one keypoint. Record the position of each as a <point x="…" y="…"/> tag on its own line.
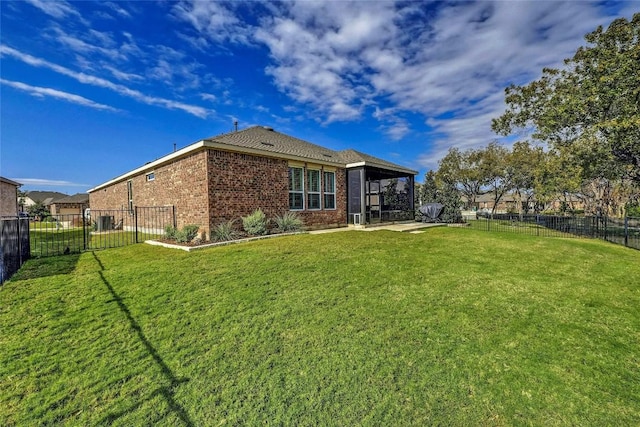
<point x="412" y="206"/>
<point x="363" y="191"/>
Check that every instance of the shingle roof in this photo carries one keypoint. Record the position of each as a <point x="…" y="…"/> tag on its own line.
<point x="351" y="156"/>
<point x="46" y="197"/>
<point x="266" y="139"/>
<point x="76" y="198"/>
<point x="262" y="140"/>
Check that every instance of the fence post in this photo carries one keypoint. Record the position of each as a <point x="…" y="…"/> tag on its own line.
<point x="135" y="221"/>
<point x="626" y="231"/>
<point x="173" y="208"/>
<point x="84" y="230"/>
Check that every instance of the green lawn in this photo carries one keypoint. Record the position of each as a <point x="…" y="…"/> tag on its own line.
<point x="448" y="327"/>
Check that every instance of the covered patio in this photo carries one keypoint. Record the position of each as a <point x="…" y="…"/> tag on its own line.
<point x="379" y="193"/>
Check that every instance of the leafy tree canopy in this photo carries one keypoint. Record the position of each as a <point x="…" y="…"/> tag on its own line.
<point x="590" y="106"/>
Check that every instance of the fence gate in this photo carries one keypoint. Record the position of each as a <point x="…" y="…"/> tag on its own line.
<point x="98" y="229"/>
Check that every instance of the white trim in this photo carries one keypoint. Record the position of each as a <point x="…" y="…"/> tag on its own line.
<point x="309" y="192"/>
<point x="381" y="166"/>
<point x="301" y="192"/>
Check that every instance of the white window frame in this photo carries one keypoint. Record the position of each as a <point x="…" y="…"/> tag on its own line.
<point x="326" y="192"/>
<point x="151" y="176"/>
<point x="296" y="191"/>
<point x="317" y="192"/>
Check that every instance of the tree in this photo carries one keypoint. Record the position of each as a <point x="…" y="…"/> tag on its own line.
<point x="38" y="209"/>
<point x="462" y="169"/>
<point x="22" y="195"/>
<point x="449" y="196"/>
<point x="429" y="190"/>
<point x="495" y="171"/>
<point x="594" y="100"/>
<point x="557" y="175"/>
<point x="522" y="163"/>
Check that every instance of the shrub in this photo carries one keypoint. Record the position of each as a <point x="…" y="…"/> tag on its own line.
<point x="256" y="223"/>
<point x="187" y="234"/>
<point x="633" y="210"/>
<point x="224" y="232"/>
<point x="288" y="222"/>
<point x="169" y="232"/>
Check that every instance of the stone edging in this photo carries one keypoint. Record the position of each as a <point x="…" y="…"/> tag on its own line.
<point x="211" y="245"/>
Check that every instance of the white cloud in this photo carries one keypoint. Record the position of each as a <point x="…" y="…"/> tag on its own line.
<point x="40" y="182"/>
<point x="448" y="62"/>
<point x="116" y="8"/>
<point x="57" y="9"/>
<point x="100" y="82"/>
<point x="42" y="92"/>
<point x="212" y="19"/>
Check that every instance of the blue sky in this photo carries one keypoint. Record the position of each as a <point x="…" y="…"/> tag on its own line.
<point x="91" y="90"/>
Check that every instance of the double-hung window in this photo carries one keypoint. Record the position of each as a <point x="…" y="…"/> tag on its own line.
<point x="296" y="188"/>
<point x="329" y="190"/>
<point x="313" y="189"/>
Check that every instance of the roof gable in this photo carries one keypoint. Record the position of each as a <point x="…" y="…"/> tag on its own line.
<point x="46" y="197"/>
<point x="76" y="198"/>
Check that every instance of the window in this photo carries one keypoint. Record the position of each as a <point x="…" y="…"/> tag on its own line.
<point x="296" y="188"/>
<point x="150" y="176"/>
<point x="130" y="195"/>
<point x="313" y="189"/>
<point x="329" y="190"/>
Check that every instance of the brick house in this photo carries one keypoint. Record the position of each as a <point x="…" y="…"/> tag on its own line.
<point x="8" y="197"/>
<point x="70" y="205"/>
<point x="230" y="175"/>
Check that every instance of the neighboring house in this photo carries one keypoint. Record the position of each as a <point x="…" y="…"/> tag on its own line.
<point x="46" y="197"/>
<point x="509" y="203"/>
<point x="70" y="205"/>
<point x="8" y="197"/>
<point x="228" y="176"/>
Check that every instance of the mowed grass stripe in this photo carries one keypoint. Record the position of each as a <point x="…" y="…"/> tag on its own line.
<point x="446" y="327"/>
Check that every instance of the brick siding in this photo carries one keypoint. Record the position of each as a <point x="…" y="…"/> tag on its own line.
<point x="8" y="199"/>
<point x="212" y="186"/>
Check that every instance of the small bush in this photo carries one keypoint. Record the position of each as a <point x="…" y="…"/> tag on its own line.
<point x="187" y="234"/>
<point x="256" y="223"/>
<point x="633" y="210"/>
<point x="289" y="222"/>
<point x="169" y="232"/>
<point x="224" y="232"/>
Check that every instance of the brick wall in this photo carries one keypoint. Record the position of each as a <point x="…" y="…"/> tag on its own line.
<point x="181" y="183"/>
<point x="326" y="218"/>
<point x="213" y="186"/>
<point x="8" y="199"/>
<point x="241" y="183"/>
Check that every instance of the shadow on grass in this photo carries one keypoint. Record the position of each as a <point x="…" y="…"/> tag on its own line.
<point x="44" y="267"/>
<point x="167" y="392"/>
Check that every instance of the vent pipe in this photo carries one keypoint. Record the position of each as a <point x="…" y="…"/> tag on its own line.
<point x="174" y="147"/>
<point x="235" y="125"/>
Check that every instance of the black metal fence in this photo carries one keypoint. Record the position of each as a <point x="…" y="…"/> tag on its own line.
<point x="14" y="245"/>
<point x="98" y="229"/>
<point x="623" y="231"/>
